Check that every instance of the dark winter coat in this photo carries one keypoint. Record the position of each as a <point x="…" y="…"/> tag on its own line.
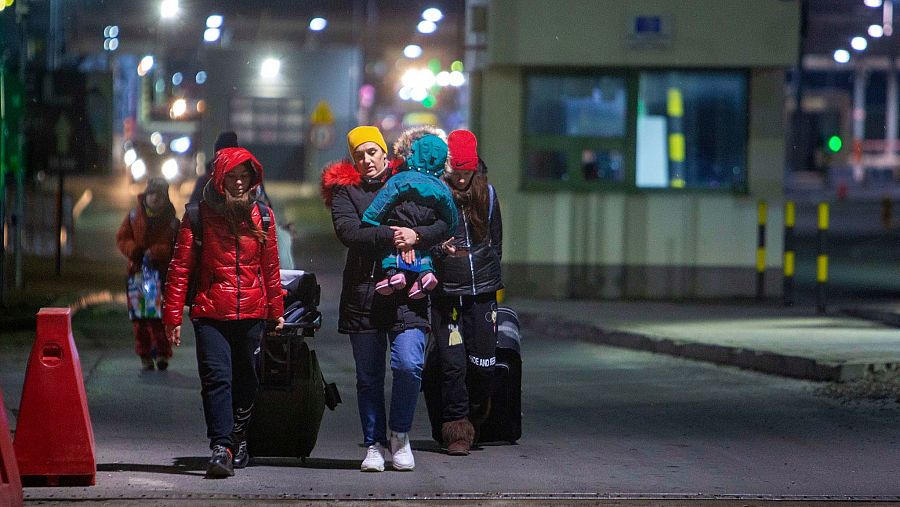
<point x="479" y="271"/>
<point x="237" y="278"/>
<point x="361" y="309"/>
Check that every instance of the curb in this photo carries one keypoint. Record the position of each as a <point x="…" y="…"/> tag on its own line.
<point x="885" y="317"/>
<point x="762" y="361"/>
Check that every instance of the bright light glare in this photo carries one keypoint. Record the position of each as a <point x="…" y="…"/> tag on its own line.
<point x="214" y="21"/>
<point x="443" y="78"/>
<point x="270" y="68"/>
<point x="318" y="24"/>
<point x="872" y="3"/>
<point x="426" y="26"/>
<point x="432" y="14"/>
<point x="130" y="156"/>
<point x="842" y="56"/>
<point x="113" y="44"/>
<point x="178" y="108"/>
<point x="180" y="144"/>
<point x="155" y="138"/>
<point x="177" y="78"/>
<point x="113" y="31"/>
<point x="418" y="94"/>
<point x="457" y="78"/>
<point x="170" y="169"/>
<point x="876" y="31"/>
<point x="859" y="43"/>
<point x="168" y="9"/>
<point x="211" y="34"/>
<point x="145" y="65"/>
<point x="404" y="93"/>
<point x="412" y="51"/>
<point x="138" y="169"/>
<point x="200" y="78"/>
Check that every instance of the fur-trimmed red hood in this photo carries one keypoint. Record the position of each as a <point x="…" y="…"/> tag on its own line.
<point x="337" y="174"/>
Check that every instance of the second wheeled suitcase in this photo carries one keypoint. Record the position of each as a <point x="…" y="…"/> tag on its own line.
<point x="504" y="421"/>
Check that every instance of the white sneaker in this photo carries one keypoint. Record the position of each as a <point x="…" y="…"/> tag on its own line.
<point x="374" y="461"/>
<point x="402" y="452"/>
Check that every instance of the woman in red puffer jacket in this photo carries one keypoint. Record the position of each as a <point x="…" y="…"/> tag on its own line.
<point x="238" y="289"/>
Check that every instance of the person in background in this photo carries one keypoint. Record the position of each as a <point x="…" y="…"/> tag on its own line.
<point x="374" y="321"/>
<point x="465" y="304"/>
<point x="238" y="288"/>
<point x="145" y="239"/>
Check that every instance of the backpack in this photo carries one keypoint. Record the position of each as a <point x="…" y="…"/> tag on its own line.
<point x="192" y="211"/>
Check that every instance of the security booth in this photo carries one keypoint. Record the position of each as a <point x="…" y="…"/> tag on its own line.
<point x="631" y="142"/>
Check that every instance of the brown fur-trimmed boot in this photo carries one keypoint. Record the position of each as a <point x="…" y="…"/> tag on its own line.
<point x="458" y="437"/>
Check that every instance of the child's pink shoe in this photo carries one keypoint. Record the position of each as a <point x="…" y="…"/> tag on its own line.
<point x="398" y="281"/>
<point x="383" y="287"/>
<point x="423" y="285"/>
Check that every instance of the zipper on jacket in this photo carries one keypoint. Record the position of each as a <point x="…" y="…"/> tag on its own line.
<point x="469" y="246"/>
<point x="237" y="272"/>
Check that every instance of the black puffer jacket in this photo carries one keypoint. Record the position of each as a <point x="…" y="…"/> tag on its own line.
<point x="361" y="309"/>
<point x="479" y="271"/>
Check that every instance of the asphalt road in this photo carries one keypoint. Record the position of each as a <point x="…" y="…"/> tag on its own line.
<point x="597" y="420"/>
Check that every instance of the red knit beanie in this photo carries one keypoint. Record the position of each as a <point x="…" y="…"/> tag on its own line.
<point x="463" y="150"/>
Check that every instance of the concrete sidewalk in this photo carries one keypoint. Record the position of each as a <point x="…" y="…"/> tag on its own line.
<point x="792" y="342"/>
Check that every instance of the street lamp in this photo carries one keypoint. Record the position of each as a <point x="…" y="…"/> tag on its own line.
<point x="270" y="68"/>
<point x="168" y="9"/>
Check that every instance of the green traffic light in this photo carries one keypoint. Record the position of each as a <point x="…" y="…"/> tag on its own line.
<point x="835" y="144"/>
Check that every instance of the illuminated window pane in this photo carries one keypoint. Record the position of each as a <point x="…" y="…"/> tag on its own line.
<point x="691" y="130"/>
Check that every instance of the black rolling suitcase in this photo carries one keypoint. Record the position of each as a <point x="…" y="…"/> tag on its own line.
<point x="292" y="392"/>
<point x="504" y="422"/>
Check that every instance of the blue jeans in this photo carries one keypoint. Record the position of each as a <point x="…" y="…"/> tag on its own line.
<point x="407" y="358"/>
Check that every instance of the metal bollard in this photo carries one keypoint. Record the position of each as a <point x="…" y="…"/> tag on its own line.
<point x="788" y="281"/>
<point x="822" y="258"/>
<point x="762" y="211"/>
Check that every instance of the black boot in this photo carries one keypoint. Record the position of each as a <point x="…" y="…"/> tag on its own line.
<point x="220" y="463"/>
<point x="241" y="457"/>
<point x="239" y="436"/>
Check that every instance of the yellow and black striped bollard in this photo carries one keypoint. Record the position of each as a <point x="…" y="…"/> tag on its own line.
<point x="762" y="211"/>
<point x="788" y="287"/>
<point x="822" y="258"/>
<point x="675" y="111"/>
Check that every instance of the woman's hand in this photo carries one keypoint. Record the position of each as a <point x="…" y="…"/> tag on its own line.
<point x="408" y="256"/>
<point x="173" y="333"/>
<point x="279" y="323"/>
<point x="404" y="237"/>
<point x="448" y="248"/>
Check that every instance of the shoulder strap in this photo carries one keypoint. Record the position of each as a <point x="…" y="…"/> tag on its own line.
<point x="192" y="210"/>
<point x="132" y="215"/>
<point x="490" y="201"/>
<point x="266" y="214"/>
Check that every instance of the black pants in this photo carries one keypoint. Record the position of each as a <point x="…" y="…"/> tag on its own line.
<point x="227" y="357"/>
<point x="467" y="368"/>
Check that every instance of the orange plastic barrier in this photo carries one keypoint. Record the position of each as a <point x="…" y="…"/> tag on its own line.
<point x="10" y="484"/>
<point x="54" y="442"/>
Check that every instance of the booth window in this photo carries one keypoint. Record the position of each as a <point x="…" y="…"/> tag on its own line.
<point x="636" y="129"/>
<point x="691" y="130"/>
<point x="575" y="128"/>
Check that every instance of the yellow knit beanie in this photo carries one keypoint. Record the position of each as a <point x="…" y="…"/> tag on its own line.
<point x="365" y="134"/>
